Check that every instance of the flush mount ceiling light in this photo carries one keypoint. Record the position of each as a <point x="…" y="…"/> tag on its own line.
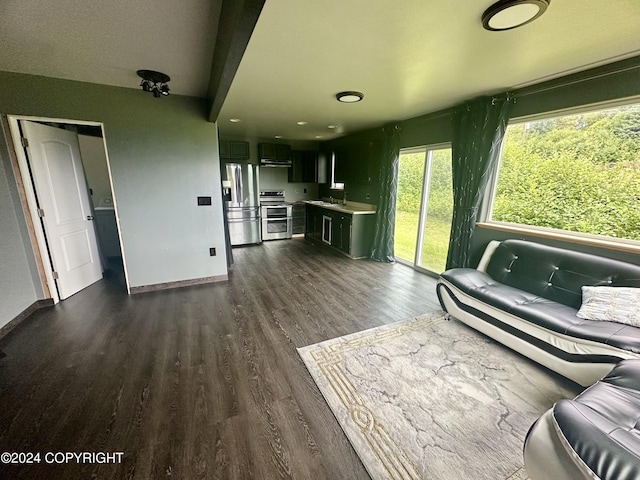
<point x="154" y="82"/>
<point x="349" y="97"/>
<point x="235" y="120"/>
<point x="508" y="14"/>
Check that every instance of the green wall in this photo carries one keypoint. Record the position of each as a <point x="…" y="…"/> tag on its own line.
<point x="163" y="153"/>
<point x="618" y="80"/>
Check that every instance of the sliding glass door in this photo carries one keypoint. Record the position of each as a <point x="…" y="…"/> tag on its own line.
<point x="424" y="207"/>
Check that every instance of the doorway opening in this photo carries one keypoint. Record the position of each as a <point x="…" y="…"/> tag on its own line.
<point x="424" y="208"/>
<point x="66" y="186"/>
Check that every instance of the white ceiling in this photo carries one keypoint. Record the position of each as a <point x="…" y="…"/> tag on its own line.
<point x="408" y="57"/>
<point x="108" y="41"/>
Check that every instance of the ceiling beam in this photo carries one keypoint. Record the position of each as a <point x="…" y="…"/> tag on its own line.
<point x="238" y="18"/>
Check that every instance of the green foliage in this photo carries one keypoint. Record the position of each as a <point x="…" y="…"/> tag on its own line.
<point x="410" y="176"/>
<point x="579" y="173"/>
<point x="439" y="211"/>
<point x="410" y="181"/>
<point x="576" y="173"/>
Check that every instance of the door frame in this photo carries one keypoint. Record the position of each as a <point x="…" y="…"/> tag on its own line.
<point x="424" y="203"/>
<point x="27" y="191"/>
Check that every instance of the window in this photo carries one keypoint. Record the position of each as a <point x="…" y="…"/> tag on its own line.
<point x="424" y="208"/>
<point x="334" y="185"/>
<point x="576" y="173"/>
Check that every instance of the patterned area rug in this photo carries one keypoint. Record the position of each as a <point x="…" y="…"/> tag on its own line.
<point x="430" y="398"/>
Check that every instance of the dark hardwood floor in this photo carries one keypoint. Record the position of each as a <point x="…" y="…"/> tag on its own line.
<point x="199" y="382"/>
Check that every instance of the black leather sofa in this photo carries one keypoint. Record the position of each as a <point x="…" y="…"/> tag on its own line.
<point x="526" y="296"/>
<point x="595" y="435"/>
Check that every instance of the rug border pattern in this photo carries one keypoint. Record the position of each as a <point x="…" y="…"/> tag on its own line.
<point x="329" y="361"/>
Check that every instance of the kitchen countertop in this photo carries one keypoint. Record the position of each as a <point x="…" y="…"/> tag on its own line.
<point x="352" y="208"/>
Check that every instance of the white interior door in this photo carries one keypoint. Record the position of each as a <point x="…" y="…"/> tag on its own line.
<point x="61" y="189"/>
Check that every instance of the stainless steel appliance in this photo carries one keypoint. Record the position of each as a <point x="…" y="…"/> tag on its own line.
<point x="242" y="207"/>
<point x="277" y="220"/>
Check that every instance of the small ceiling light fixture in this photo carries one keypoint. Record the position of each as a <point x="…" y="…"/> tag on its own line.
<point x="349" y="97"/>
<point x="154" y="82"/>
<point x="508" y="14"/>
<point x="332" y="126"/>
<point x="278" y="136"/>
<point x="303" y="123"/>
<point x="235" y="120"/>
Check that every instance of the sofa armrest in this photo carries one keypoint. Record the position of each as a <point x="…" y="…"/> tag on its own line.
<point x="486" y="256"/>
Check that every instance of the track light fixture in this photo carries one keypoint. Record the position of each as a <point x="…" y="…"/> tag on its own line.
<point x="154" y="82"/>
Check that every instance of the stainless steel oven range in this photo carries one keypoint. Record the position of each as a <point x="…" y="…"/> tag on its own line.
<point x="276" y="216"/>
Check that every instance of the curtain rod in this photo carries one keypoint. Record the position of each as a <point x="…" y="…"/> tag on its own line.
<point x="525" y="92"/>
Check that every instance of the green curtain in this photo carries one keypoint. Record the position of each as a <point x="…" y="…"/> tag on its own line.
<point x="478" y="130"/>
<point x="382" y="248"/>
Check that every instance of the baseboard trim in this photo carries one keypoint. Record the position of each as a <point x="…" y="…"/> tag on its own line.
<point x="183" y="283"/>
<point x="18" y="319"/>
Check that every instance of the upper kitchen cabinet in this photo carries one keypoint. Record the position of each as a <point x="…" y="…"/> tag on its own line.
<point x="274" y="151"/>
<point x="232" y="150"/>
<point x="343" y="165"/>
<point x="304" y="167"/>
<point x="357" y="163"/>
<point x="370" y="167"/>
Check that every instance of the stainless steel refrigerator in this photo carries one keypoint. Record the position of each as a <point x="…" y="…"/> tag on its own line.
<point x="242" y="206"/>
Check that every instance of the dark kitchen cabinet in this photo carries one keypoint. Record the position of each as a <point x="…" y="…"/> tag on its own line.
<point x="368" y="170"/>
<point x="357" y="163"/>
<point x="304" y="167"/>
<point x="342" y="171"/>
<point x="351" y="234"/>
<point x="274" y="151"/>
<point x="313" y="222"/>
<point x="234" y="150"/>
<point x="342" y="232"/>
<point x="362" y="231"/>
<point x="298" y="220"/>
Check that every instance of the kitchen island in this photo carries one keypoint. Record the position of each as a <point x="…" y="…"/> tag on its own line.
<point x="347" y="227"/>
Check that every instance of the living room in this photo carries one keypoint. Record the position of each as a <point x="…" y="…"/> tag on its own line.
<point x="163" y="153"/>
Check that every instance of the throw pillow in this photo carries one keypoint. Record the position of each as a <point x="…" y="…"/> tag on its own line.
<point x="613" y="304"/>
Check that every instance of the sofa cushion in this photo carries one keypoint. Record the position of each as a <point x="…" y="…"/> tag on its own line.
<point x="614" y="304"/>
<point x="481" y="286"/>
<point x="540" y="311"/>
<point x="555" y="273"/>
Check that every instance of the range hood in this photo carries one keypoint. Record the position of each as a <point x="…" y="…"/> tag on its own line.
<point x="268" y="162"/>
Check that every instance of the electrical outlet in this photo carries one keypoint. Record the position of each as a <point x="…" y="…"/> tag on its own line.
<point x="212" y="252"/>
<point x="367" y="196"/>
